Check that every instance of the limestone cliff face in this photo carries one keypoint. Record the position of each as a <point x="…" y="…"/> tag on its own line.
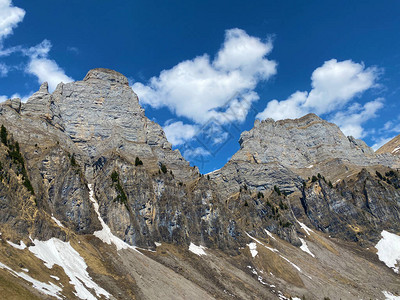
<point x="277" y="153"/>
<point x="102" y="114"/>
<point x="94" y="133"/>
<point x="356" y="209"/>
<point x="91" y="131"/>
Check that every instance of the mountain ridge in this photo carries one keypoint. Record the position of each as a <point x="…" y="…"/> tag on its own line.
<point x="86" y="156"/>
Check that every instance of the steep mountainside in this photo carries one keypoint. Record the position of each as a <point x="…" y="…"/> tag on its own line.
<point x="393" y="146"/>
<point x="286" y="150"/>
<point x="94" y="203"/>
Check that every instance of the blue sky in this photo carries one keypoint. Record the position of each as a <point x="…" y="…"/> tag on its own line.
<point x="205" y="70"/>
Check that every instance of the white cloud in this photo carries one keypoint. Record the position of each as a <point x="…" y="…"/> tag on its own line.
<point x="381" y="141"/>
<point x="23" y="98"/>
<point x="43" y="68"/>
<point x="4" y="69"/>
<point x="392" y="126"/>
<point x="72" y="49"/>
<point x="200" y="89"/>
<point x="3" y="98"/>
<point x="334" y="85"/>
<point x="350" y="121"/>
<point x="291" y="108"/>
<point x="40" y="50"/>
<point x="196" y="153"/>
<point x="178" y="133"/>
<point x="10" y="16"/>
<point x="48" y="70"/>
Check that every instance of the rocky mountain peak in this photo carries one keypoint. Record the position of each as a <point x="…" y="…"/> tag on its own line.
<point x="106" y="75"/>
<point x="285" y="151"/>
<point x="86" y="176"/>
<point x="44" y="88"/>
<point x="299" y="143"/>
<point x="99" y="115"/>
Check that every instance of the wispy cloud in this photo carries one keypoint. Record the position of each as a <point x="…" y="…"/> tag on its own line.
<point x="351" y="120"/>
<point x="72" y="49"/>
<point x="4" y="69"/>
<point x="196" y="153"/>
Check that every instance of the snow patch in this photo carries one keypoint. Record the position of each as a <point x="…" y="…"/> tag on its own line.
<point x="257" y="241"/>
<point x="21" y="245"/>
<point x="25" y="270"/>
<point x="310" y="166"/>
<point x="105" y="234"/>
<point x="259" y="278"/>
<point x="253" y="249"/>
<point x="304" y="247"/>
<point x="270" y="234"/>
<point x="199" y="250"/>
<point x="390" y="296"/>
<point x="281" y="296"/>
<point x="57" y="221"/>
<point x="277" y="251"/>
<point x="49" y="289"/>
<point x="56" y="252"/>
<point x="304" y="227"/>
<point x="389" y="250"/>
<point x="157" y="244"/>
<point x="396" y="149"/>
<point x="296" y="267"/>
<point x="55" y="277"/>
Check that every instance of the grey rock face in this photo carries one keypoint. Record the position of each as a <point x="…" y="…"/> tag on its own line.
<point x="161" y="209"/>
<point x="98" y="121"/>
<point x="279" y="153"/>
<point x="102" y="114"/>
<point x="302" y="142"/>
<point x="357" y="209"/>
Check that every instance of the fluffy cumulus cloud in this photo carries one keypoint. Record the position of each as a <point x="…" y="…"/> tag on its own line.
<point x="39" y="64"/>
<point x="177" y="132"/>
<point x="223" y="87"/>
<point x="333" y="84"/>
<point x="43" y="68"/>
<point x="10" y="16"/>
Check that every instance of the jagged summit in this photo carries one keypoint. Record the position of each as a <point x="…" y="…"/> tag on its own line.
<point x="99" y="115"/>
<point x="299" y="143"/>
<point x="83" y="171"/>
<point x="106" y="75"/>
<point x="284" y="151"/>
<point x="308" y="118"/>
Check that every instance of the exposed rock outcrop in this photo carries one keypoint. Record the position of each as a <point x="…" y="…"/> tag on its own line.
<point x="279" y="153"/>
<point x="249" y="218"/>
